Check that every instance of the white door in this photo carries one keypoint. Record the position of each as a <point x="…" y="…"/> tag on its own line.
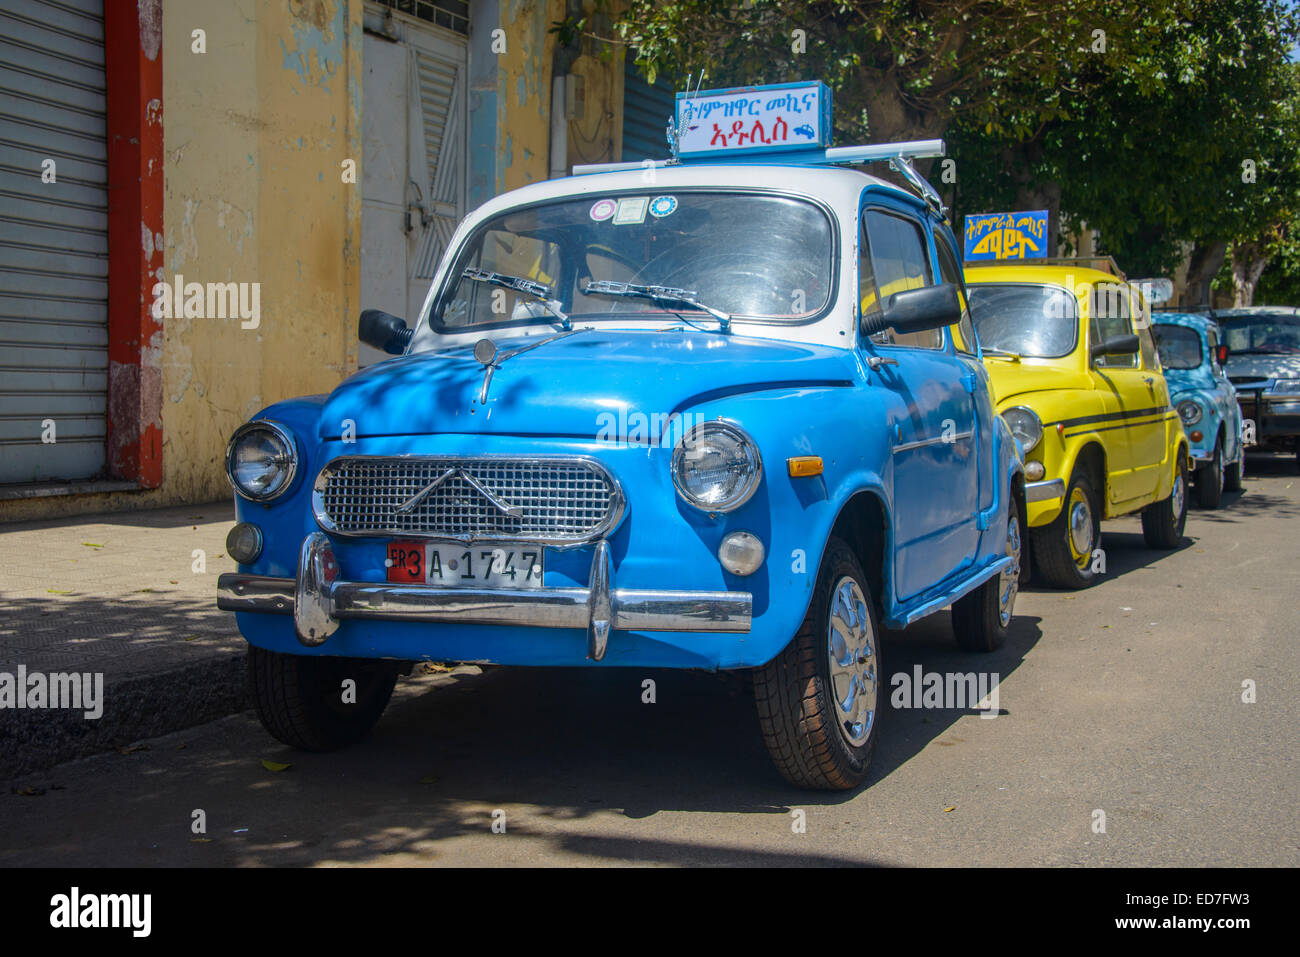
<point x="413" y="117"/>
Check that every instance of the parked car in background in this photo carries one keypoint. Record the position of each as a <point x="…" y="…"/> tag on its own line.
<point x="1192" y="356"/>
<point x="1078" y="379"/>
<point x="1263" y="365"/>
<point x="724" y="421"/>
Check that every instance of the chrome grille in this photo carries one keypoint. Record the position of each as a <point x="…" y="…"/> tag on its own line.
<point x="558" y="500"/>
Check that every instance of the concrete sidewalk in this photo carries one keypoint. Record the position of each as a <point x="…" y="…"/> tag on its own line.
<point x="124" y="595"/>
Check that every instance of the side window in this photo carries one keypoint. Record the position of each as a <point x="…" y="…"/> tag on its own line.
<point x="950" y="272"/>
<point x="1109" y="310"/>
<point x="1212" y="338"/>
<point x="896" y="249"/>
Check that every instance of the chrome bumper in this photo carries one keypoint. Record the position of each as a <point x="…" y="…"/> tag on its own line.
<point x="318" y="600"/>
<point x="1045" y="491"/>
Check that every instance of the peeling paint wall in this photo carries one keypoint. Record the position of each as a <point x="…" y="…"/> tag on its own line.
<point x="524" y="92"/>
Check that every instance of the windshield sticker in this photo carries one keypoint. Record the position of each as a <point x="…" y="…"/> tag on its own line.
<point x="602" y="209"/>
<point x="663" y="206"/>
<point x="631" y="211"/>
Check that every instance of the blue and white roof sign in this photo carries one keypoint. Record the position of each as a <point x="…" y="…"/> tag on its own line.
<point x="754" y="119"/>
<point x="1020" y="235"/>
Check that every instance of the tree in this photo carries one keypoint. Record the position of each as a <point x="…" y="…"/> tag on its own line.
<point x="1192" y="143"/>
<point x="900" y="69"/>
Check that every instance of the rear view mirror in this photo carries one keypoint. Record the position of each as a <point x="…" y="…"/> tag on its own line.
<point x="385" y="332"/>
<point x="1118" y="346"/>
<point x="916" y="310"/>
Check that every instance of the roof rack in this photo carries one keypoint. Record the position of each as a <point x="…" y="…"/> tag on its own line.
<point x="1102" y="263"/>
<point x="898" y="155"/>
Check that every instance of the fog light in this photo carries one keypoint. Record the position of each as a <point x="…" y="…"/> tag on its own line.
<point x="741" y="553"/>
<point x="244" y="543"/>
<point x="1196" y="436"/>
<point x="1034" y="471"/>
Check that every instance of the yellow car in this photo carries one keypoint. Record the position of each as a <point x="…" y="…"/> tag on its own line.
<point x="1075" y="373"/>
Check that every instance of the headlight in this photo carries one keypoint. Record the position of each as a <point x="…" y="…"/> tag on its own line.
<point x="716" y="467"/>
<point x="1025" y="425"/>
<point x="1189" y="411"/>
<point x="1286" y="387"/>
<point x="261" y="460"/>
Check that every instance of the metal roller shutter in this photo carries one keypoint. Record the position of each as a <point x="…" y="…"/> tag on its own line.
<point x="646" y="112"/>
<point x="53" y="240"/>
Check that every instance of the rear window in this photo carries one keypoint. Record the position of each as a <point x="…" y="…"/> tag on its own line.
<point x="1041" y="322"/>
<point x="1179" y="346"/>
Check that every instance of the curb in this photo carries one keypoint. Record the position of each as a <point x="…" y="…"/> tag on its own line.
<point x="135" y="707"/>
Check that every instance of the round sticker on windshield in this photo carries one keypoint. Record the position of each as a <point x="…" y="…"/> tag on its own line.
<point x="662" y="206"/>
<point x="602" y="209"/>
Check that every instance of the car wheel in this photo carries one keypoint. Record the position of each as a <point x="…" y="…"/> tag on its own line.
<point x="301" y="699"/>
<point x="1232" y="474"/>
<point x="1064" y="548"/>
<point x="819" y="700"/>
<point x="980" y="619"/>
<point x="1210" y="481"/>
<point x="1163" y="522"/>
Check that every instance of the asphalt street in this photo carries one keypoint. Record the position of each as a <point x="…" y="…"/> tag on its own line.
<point x="1121" y="706"/>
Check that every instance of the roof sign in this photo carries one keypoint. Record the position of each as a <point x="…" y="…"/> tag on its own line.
<point x="754" y="119"/>
<point x="1020" y="235"/>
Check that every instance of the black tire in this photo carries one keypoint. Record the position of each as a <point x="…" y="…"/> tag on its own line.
<point x="1163" y="522"/>
<point x="800" y="718"/>
<point x="1232" y="474"/>
<point x="299" y="698"/>
<point x="1060" y="560"/>
<point x="1210" y="480"/>
<point x="980" y="619"/>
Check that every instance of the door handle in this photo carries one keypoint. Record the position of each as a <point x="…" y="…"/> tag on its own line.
<point x="1150" y="381"/>
<point x="875" y="362"/>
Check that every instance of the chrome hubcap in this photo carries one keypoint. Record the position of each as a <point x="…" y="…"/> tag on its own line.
<point x="1178" y="495"/>
<point x="1009" y="583"/>
<point x="851" y="647"/>
<point x="1081" y="529"/>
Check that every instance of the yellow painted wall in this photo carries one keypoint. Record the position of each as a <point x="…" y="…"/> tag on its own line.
<point x="255" y="132"/>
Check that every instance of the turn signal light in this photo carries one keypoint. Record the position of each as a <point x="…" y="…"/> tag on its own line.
<point x="802" y="466"/>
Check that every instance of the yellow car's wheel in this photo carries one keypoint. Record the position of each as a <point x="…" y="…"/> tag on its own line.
<point x="1063" y="550"/>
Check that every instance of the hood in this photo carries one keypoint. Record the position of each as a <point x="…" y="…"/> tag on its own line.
<point x="1010" y="378"/>
<point x="1263" y="366"/>
<point x="563" y="387"/>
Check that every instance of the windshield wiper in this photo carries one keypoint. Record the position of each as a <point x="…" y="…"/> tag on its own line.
<point x="1000" y="352"/>
<point x="539" y="291"/>
<point x="664" y="294"/>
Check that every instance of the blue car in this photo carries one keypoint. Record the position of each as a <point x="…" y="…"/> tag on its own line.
<point x="1192" y="357"/>
<point x="710" y="414"/>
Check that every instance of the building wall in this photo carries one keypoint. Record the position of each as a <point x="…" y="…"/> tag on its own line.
<point x="255" y="132"/>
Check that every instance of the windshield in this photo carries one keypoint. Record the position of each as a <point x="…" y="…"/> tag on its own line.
<point x="1179" y="346"/>
<point x="751" y="256"/>
<point x="1041" y="322"/>
<point x="1269" y="335"/>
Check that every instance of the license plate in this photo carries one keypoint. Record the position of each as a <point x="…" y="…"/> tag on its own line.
<point x="454" y="565"/>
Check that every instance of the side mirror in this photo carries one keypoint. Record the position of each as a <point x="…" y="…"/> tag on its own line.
<point x="385" y="332"/>
<point x="917" y="310"/>
<point x="1118" y="346"/>
<point x="1222" y="352"/>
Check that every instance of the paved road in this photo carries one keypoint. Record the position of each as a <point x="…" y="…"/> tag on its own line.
<point x="1124" y="699"/>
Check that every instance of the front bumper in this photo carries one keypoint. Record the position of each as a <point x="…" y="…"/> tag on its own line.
<point x="318" y="600"/>
<point x="1276" y="416"/>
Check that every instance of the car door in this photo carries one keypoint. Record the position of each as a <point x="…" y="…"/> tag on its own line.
<point x="1137" y="431"/>
<point x="931" y="420"/>
<point x="1225" y="398"/>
